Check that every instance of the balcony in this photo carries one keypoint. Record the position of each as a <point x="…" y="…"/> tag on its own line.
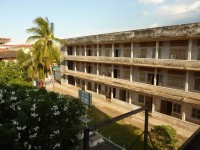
<point x="145" y="62"/>
<point x="140" y="87"/>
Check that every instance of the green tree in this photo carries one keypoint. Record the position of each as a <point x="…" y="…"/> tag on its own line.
<point x="45" y="52"/>
<point x="38" y="120"/>
<point x="10" y="72"/>
<point x="25" y="62"/>
<point x="164" y="137"/>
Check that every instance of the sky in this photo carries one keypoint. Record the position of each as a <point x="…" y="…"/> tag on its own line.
<point x="74" y="18"/>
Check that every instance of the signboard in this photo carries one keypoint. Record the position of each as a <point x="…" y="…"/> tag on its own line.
<point x="85" y="97"/>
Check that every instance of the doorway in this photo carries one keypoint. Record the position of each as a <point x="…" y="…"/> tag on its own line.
<point x="116" y="52"/>
<point x="148" y="103"/>
<point x="150" y="78"/>
<point x="122" y="95"/>
<point x="166" y="107"/>
<point x="116" y="73"/>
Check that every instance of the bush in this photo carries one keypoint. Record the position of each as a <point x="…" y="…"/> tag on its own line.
<point x="164" y="137"/>
<point x="36" y="119"/>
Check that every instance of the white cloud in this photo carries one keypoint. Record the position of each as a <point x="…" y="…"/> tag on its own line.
<point x="154" y="25"/>
<point x="151" y="1"/>
<point x="179" y="9"/>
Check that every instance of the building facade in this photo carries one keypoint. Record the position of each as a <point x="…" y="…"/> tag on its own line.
<point x="157" y="67"/>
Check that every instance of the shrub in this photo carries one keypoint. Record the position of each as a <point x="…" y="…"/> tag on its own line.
<point x="36" y="119"/>
<point x="164" y="137"/>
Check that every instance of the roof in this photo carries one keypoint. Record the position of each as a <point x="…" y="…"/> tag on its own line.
<point x="8" y="54"/>
<point x="183" y="31"/>
<point x="4" y="40"/>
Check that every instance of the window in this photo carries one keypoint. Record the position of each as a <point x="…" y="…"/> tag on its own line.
<point x="176" y="80"/>
<point x="198" y="55"/>
<point x="143" y="53"/>
<point x="141" y="98"/>
<point x="197" y="84"/>
<point x="126" y="74"/>
<point x="177" y="54"/>
<point x="142" y="77"/>
<point x="177" y="108"/>
<point x="195" y="113"/>
<point x="127" y="52"/>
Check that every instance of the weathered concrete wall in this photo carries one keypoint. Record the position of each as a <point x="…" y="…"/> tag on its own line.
<point x="177" y="31"/>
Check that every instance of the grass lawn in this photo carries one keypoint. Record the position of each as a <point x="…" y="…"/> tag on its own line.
<point x="121" y="133"/>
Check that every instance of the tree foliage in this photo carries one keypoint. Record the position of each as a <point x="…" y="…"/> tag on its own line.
<point x="44" y="52"/>
<point x="25" y="62"/>
<point x="164" y="137"/>
<point x="36" y="119"/>
<point x="10" y="72"/>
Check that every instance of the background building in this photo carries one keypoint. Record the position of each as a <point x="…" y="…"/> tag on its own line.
<point x="158" y="67"/>
<point x="8" y="49"/>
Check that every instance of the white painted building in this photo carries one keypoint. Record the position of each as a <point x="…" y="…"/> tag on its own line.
<point x="158" y="67"/>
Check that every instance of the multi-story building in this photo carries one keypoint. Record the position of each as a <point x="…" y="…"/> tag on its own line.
<point x="158" y="67"/>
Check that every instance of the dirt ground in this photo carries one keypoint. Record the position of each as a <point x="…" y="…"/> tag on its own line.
<point x="115" y="110"/>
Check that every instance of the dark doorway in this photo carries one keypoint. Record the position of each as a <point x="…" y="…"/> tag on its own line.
<point x="114" y="92"/>
<point x="166" y="107"/>
<point x="70" y="50"/>
<point x="89" y="86"/>
<point x="89" y="69"/>
<point x="95" y="87"/>
<point x="159" y="79"/>
<point x="71" y="80"/>
<point x="116" y="73"/>
<point x="148" y="103"/>
<point x="89" y="52"/>
<point x="116" y="52"/>
<point x="150" y="78"/>
<point x="70" y="65"/>
<point x="122" y="95"/>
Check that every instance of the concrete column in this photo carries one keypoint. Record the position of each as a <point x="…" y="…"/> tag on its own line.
<point x="97" y="50"/>
<point x="132" y="44"/>
<point x="85" y="50"/>
<point x="66" y="66"/>
<point x="157" y="48"/>
<point x="111" y="93"/>
<point x="155" y="77"/>
<point x="112" y="71"/>
<point x="97" y="88"/>
<point x="66" y="53"/>
<point x="130" y="98"/>
<point x="183" y="112"/>
<point x="85" y="85"/>
<point x="85" y="70"/>
<point x="74" y="65"/>
<point x="186" y="81"/>
<point x="131" y="73"/>
<point x="66" y="79"/>
<point x="153" y="104"/>
<point x="113" y="50"/>
<point x="75" y="82"/>
<point x="74" y="50"/>
<point x="97" y="69"/>
<point x="189" y="49"/>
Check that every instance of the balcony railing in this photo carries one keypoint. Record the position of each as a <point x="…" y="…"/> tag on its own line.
<point x="141" y="87"/>
<point x="148" y="62"/>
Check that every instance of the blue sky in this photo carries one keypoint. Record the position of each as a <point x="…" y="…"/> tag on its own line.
<point x="74" y="18"/>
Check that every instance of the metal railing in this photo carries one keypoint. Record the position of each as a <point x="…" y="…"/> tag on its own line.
<point x="115" y="119"/>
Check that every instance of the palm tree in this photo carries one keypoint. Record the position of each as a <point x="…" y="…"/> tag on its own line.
<point x="44" y="52"/>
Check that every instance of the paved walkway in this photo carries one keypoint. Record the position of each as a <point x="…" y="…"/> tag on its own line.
<point x="115" y="110"/>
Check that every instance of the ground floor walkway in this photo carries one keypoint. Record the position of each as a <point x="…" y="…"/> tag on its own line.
<point x="114" y="110"/>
